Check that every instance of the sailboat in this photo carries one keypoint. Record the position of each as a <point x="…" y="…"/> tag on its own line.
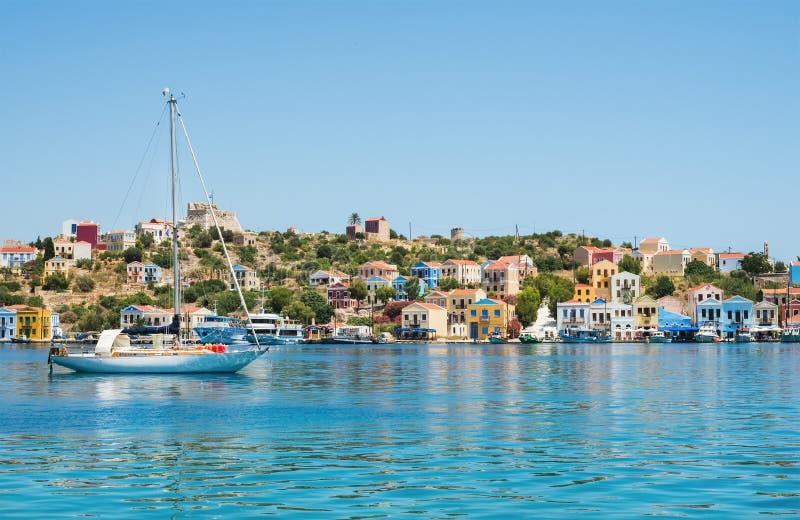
<point x="114" y="353"/>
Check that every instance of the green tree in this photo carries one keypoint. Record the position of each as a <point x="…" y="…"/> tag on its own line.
<point x="360" y="321"/>
<point x="279" y="297"/>
<point x="412" y="288"/>
<point x="582" y="274"/>
<point x="664" y="286"/>
<point x="299" y="311"/>
<point x="780" y="267"/>
<point x="384" y="293"/>
<point x="49" y="249"/>
<point x="738" y="283"/>
<point x="353" y="219"/>
<point x="162" y="258"/>
<point x="358" y="290"/>
<point x="555" y="288"/>
<point x="317" y="303"/>
<point x="629" y="263"/>
<point x="528" y="301"/>
<point x="324" y="251"/>
<point x="146" y="239"/>
<point x="35" y="301"/>
<point x="84" y="283"/>
<point x="448" y="284"/>
<point x="756" y="263"/>
<point x="56" y="282"/>
<point x="132" y="254"/>
<point x="247" y="255"/>
<point x="698" y="271"/>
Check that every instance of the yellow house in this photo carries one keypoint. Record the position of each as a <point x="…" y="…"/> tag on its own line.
<point x="486" y="317"/>
<point x="602" y="272"/>
<point x="645" y="313"/>
<point x="32" y="322"/>
<point x="584" y="293"/>
<point x="425" y="320"/>
<point x="704" y="254"/>
<point x="57" y="265"/>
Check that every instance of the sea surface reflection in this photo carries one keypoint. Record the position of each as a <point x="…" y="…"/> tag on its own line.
<point x="413" y="430"/>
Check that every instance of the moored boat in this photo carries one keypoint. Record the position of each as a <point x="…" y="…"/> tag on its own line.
<point x="743" y="335"/>
<point x="791" y="335"/>
<point x="658" y="336"/>
<point x="497" y="338"/>
<point x="529" y="338"/>
<point x="707" y="334"/>
<point x="583" y="336"/>
<point x="354" y="334"/>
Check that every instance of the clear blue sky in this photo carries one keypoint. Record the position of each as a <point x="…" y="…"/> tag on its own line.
<point x="624" y="119"/>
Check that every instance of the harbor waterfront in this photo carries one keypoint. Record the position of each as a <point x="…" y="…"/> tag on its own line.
<point x="327" y="431"/>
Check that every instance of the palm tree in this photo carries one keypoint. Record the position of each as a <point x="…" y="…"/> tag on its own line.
<point x="354" y="219"/>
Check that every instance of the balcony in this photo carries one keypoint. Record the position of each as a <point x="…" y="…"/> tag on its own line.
<point x="572" y="321"/>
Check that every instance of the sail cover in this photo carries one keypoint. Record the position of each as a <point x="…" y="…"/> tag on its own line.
<point x="110" y="340"/>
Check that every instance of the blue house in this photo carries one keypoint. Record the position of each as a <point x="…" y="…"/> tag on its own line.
<point x="794" y="272"/>
<point x="428" y="272"/>
<point x="8" y="323"/>
<point x="709" y="312"/>
<point x="152" y="274"/>
<point x="737" y="312"/>
<point x="399" y="284"/>
<point x="675" y="325"/>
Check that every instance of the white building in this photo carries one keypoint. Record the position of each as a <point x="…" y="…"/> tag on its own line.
<point x="625" y="287"/>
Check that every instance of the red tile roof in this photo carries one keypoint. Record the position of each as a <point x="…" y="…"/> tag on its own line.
<point x="463" y="291"/>
<point x="731" y="255"/>
<point x="17" y="249"/>
<point x="651" y="240"/>
<point x="432" y="306"/>
<point x="461" y="262"/>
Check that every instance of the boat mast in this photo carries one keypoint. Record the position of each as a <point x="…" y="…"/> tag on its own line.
<point x="176" y="275"/>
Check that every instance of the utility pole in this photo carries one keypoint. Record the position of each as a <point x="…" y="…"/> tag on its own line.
<point x="409" y="230"/>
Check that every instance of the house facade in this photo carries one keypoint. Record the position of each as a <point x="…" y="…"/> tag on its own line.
<point x="766" y="315"/>
<point x="703" y="254"/>
<point x="602" y="272"/>
<point x="338" y="296"/>
<point x="247" y="278"/>
<point x="424" y="318"/>
<point x="572" y="315"/>
<point x="159" y="229"/>
<point x="737" y="313"/>
<point x="119" y="241"/>
<point x="487" y="317"/>
<point x="708" y="312"/>
<point x="147" y="315"/>
<point x="781" y="296"/>
<point x="329" y="277"/>
<point x="377" y="229"/>
<point x="645" y="314"/>
<point x="8" y="323"/>
<point x="437" y="298"/>
<point x="729" y="262"/>
<point x="501" y="279"/>
<point x="458" y="302"/>
<point x="625" y="287"/>
<point x="701" y="293"/>
<point x="14" y="254"/>
<point x="584" y="292"/>
<point x="32" y="322"/>
<point x="143" y="274"/>
<point x="794" y="272"/>
<point x="674" y="304"/>
<point x="465" y="272"/>
<point x="645" y="259"/>
<point x="373" y="282"/>
<point x="57" y="265"/>
<point x="653" y="245"/>
<point x="671" y="262"/>
<point x="524" y="263"/>
<point x="377" y="268"/>
<point x="428" y="273"/>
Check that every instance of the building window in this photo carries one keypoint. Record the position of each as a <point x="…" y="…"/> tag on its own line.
<point x="485" y="330"/>
<point x="497" y="313"/>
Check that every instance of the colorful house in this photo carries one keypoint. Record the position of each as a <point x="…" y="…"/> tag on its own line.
<point x="247" y="278"/>
<point x="373" y="282"/>
<point x="57" y="265"/>
<point x="703" y="254"/>
<point x="14" y="254"/>
<point x="437" y="298"/>
<point x="766" y="315"/>
<point x="622" y="322"/>
<point x="790" y="313"/>
<point x="458" y="301"/>
<point x="487" y="317"/>
<point x="671" y="262"/>
<point x="737" y="313"/>
<point x="144" y="274"/>
<point x="32" y="322"/>
<point x="625" y="287"/>
<point x="701" y="293"/>
<point x="709" y="312"/>
<point x="589" y="255"/>
<point x="645" y="315"/>
<point x="674" y="305"/>
<point x="377" y="229"/>
<point x="465" y="272"/>
<point x="645" y="259"/>
<point x="653" y="245"/>
<point x="602" y="272"/>
<point x="329" y="277"/>
<point x="572" y="315"/>
<point x="501" y="279"/>
<point x="524" y="263"/>
<point x="149" y="315"/>
<point x="339" y="296"/>
<point x="429" y="273"/>
<point x="602" y="312"/>
<point x="781" y="296"/>
<point x="423" y="320"/>
<point x="729" y="262"/>
<point x="794" y="272"/>
<point x="8" y="323"/>
<point x="88" y="231"/>
<point x="159" y="229"/>
<point x="675" y="325"/>
<point x="584" y="292"/>
<point x="120" y="240"/>
<point x="377" y="268"/>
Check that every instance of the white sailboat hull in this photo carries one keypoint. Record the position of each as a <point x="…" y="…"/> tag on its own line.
<point x="227" y="362"/>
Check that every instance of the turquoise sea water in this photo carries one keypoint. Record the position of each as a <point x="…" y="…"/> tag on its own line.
<point x="611" y="431"/>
